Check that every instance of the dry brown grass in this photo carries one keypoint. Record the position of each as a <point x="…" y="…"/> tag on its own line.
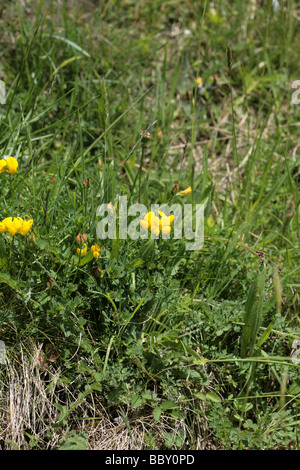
<point x="30" y="388"/>
<point x="26" y="400"/>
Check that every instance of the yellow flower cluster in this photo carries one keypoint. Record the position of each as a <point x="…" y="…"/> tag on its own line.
<point x="95" y="250"/>
<point x="157" y="224"/>
<point x="14" y="225"/>
<point x="9" y="164"/>
<point x="83" y="250"/>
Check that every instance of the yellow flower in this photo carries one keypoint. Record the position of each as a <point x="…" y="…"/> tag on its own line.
<point x="148" y="220"/>
<point x="151" y="221"/>
<point x="95" y="250"/>
<point x="165" y="223"/>
<point x="155" y="230"/>
<point x="157" y="224"/>
<point x="166" y="219"/>
<point x="3" y="165"/>
<point x="12" y="165"/>
<point x="186" y="192"/>
<point x="198" y="81"/>
<point x="144" y="224"/>
<point x="154" y="222"/>
<point x="25" y="227"/>
<point x="12" y="225"/>
<point x="82" y="251"/>
<point x="166" y="229"/>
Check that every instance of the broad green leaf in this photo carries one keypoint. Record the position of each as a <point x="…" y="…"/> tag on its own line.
<point x="157" y="413"/>
<point x="168" y="405"/>
<point x="136" y="401"/>
<point x="213" y="397"/>
<point x="86" y="259"/>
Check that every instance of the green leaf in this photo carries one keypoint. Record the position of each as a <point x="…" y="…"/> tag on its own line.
<point x="200" y="395"/>
<point x="265" y="335"/>
<point x="253" y="314"/>
<point x="168" y="405"/>
<point x="157" y="413"/>
<point x="136" y="401"/>
<point x="86" y="259"/>
<point x="213" y="397"/>
<point x="74" y="441"/>
<point x="177" y="414"/>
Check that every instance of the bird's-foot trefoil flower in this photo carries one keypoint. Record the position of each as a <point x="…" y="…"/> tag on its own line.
<point x="8" y="164"/>
<point x="14" y="225"/>
<point x="157" y="224"/>
<point x="82" y="251"/>
<point x="95" y="250"/>
<point x="185" y="192"/>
